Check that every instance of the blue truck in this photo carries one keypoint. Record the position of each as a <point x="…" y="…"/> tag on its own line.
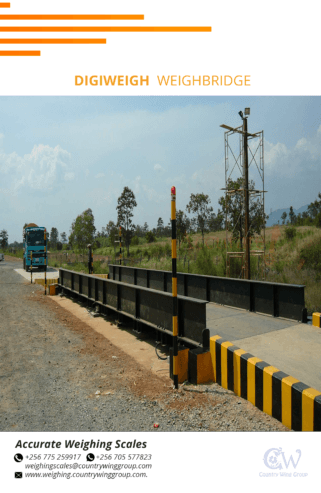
<point x="34" y="241"/>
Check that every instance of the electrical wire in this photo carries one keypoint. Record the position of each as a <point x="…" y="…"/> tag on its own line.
<point x="159" y="357"/>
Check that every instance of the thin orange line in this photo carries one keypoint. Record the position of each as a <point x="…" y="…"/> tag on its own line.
<point x="19" y="53"/>
<point x="52" y="41"/>
<point x="4" y="5"/>
<point x="106" y="29"/>
<point x="71" y="17"/>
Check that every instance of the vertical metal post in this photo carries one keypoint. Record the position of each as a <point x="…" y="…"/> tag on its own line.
<point x="226" y="194"/>
<point x="174" y="288"/>
<point x="92" y="262"/>
<point x="119" y="245"/>
<point x="31" y="266"/>
<point x="246" y="202"/>
<point x="263" y="198"/>
<point x="45" y="260"/>
<point x="89" y="258"/>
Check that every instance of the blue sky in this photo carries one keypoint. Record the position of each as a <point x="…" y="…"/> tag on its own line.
<point x="61" y="155"/>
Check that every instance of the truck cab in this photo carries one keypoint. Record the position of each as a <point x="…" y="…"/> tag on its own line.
<point x="34" y="242"/>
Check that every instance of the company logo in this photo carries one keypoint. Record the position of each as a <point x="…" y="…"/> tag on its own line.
<point x="274" y="458"/>
<point x="282" y="464"/>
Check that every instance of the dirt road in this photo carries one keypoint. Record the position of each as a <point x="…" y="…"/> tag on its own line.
<point x="58" y="374"/>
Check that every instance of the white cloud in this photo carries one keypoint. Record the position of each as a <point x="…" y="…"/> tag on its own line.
<point x="69" y="176"/>
<point x="158" y="168"/>
<point x="305" y="155"/>
<point x="152" y="194"/>
<point x="100" y="175"/>
<point x="43" y="169"/>
<point x="136" y="185"/>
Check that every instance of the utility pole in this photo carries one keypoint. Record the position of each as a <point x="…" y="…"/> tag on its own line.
<point x="246" y="200"/>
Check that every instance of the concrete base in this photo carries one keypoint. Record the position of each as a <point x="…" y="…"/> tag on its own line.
<point x="51" y="274"/>
<point x="183" y="357"/>
<point x="200" y="368"/>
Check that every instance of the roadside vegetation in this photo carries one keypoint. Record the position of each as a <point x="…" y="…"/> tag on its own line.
<point x="292" y="249"/>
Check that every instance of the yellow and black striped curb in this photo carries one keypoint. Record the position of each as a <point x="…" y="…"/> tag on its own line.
<point x="316" y="320"/>
<point x="283" y="397"/>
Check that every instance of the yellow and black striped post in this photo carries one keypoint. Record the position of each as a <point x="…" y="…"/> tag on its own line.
<point x="30" y="266"/>
<point x="45" y="259"/>
<point x="174" y="288"/>
<point x="119" y="245"/>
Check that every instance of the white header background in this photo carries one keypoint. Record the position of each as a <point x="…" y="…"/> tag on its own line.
<point x="276" y="43"/>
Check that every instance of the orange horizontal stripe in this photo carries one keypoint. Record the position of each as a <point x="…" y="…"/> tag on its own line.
<point x="71" y="17"/>
<point x="105" y="29"/>
<point x="4" y="5"/>
<point x="52" y="41"/>
<point x="19" y="53"/>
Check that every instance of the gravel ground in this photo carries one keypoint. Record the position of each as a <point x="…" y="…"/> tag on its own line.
<point x="52" y="364"/>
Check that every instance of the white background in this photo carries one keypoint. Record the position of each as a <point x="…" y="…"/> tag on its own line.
<point x="276" y="43"/>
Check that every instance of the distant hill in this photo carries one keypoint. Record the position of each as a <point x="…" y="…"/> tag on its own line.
<point x="275" y="216"/>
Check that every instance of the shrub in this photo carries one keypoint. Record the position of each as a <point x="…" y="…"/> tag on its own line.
<point x="100" y="268"/>
<point x="204" y="263"/>
<point x="167" y="249"/>
<point x="150" y="237"/>
<point x="279" y="266"/>
<point x="311" y="254"/>
<point x="290" y="233"/>
<point x="135" y="241"/>
<point x="157" y="251"/>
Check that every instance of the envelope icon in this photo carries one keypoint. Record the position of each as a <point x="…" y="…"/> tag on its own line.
<point x="18" y="475"/>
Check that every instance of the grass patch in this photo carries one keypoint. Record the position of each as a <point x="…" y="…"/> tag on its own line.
<point x="290" y="258"/>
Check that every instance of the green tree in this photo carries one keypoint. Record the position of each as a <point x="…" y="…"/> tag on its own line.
<point x="135" y="240"/>
<point x="4" y="238"/>
<point x="112" y="233"/>
<point x="150" y="237"/>
<point x="54" y="236"/>
<point x="283" y="217"/>
<point x="315" y="207"/>
<point x="126" y="203"/>
<point x="199" y="206"/>
<point x="63" y="238"/>
<point x="292" y="216"/>
<point x="233" y="206"/>
<point x="314" y="212"/>
<point x="216" y="221"/>
<point x="139" y="231"/>
<point x="160" y="227"/>
<point x="182" y="225"/>
<point x="83" y="230"/>
<point x="306" y="219"/>
<point x="317" y="220"/>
